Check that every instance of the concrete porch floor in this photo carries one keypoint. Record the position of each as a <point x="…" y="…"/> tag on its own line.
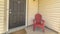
<point x="39" y="31"/>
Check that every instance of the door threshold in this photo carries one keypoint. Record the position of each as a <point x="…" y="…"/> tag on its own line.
<point x="15" y="29"/>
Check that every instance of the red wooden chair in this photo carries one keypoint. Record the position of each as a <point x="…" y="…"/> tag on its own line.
<point x="38" y="22"/>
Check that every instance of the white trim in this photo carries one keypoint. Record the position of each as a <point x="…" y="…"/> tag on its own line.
<point x="26" y="12"/>
<point x="7" y="13"/>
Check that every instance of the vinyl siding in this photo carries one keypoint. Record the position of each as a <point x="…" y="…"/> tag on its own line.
<point x="50" y="9"/>
<point x="32" y="10"/>
<point x="1" y="16"/>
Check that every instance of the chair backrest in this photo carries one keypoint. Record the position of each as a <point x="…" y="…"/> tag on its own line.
<point x="38" y="18"/>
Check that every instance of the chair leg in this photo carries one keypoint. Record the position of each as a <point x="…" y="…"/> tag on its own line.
<point x="33" y="28"/>
<point x="43" y="30"/>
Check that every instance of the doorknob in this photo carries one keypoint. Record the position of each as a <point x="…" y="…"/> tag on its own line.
<point x="10" y="11"/>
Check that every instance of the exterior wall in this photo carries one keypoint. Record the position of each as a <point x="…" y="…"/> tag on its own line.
<point x="50" y="9"/>
<point x="3" y="16"/>
<point x="32" y="10"/>
<point x="2" y="28"/>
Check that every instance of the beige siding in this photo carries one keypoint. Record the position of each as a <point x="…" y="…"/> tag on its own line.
<point x="32" y="10"/>
<point x="1" y="16"/>
<point x="50" y="9"/>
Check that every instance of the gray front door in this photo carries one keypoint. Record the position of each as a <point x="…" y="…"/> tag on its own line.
<point x="17" y="13"/>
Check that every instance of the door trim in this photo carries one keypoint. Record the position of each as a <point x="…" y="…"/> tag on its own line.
<point x="7" y="21"/>
<point x="7" y="14"/>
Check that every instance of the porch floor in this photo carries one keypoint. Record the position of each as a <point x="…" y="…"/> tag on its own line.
<point x="39" y="31"/>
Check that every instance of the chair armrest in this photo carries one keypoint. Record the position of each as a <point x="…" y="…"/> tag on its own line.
<point x="43" y="22"/>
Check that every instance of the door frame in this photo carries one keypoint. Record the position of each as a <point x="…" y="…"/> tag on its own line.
<point x="7" y="21"/>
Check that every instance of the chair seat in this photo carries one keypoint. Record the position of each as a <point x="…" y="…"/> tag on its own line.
<point x="39" y="25"/>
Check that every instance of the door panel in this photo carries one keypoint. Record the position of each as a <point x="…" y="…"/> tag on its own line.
<point x="17" y="13"/>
